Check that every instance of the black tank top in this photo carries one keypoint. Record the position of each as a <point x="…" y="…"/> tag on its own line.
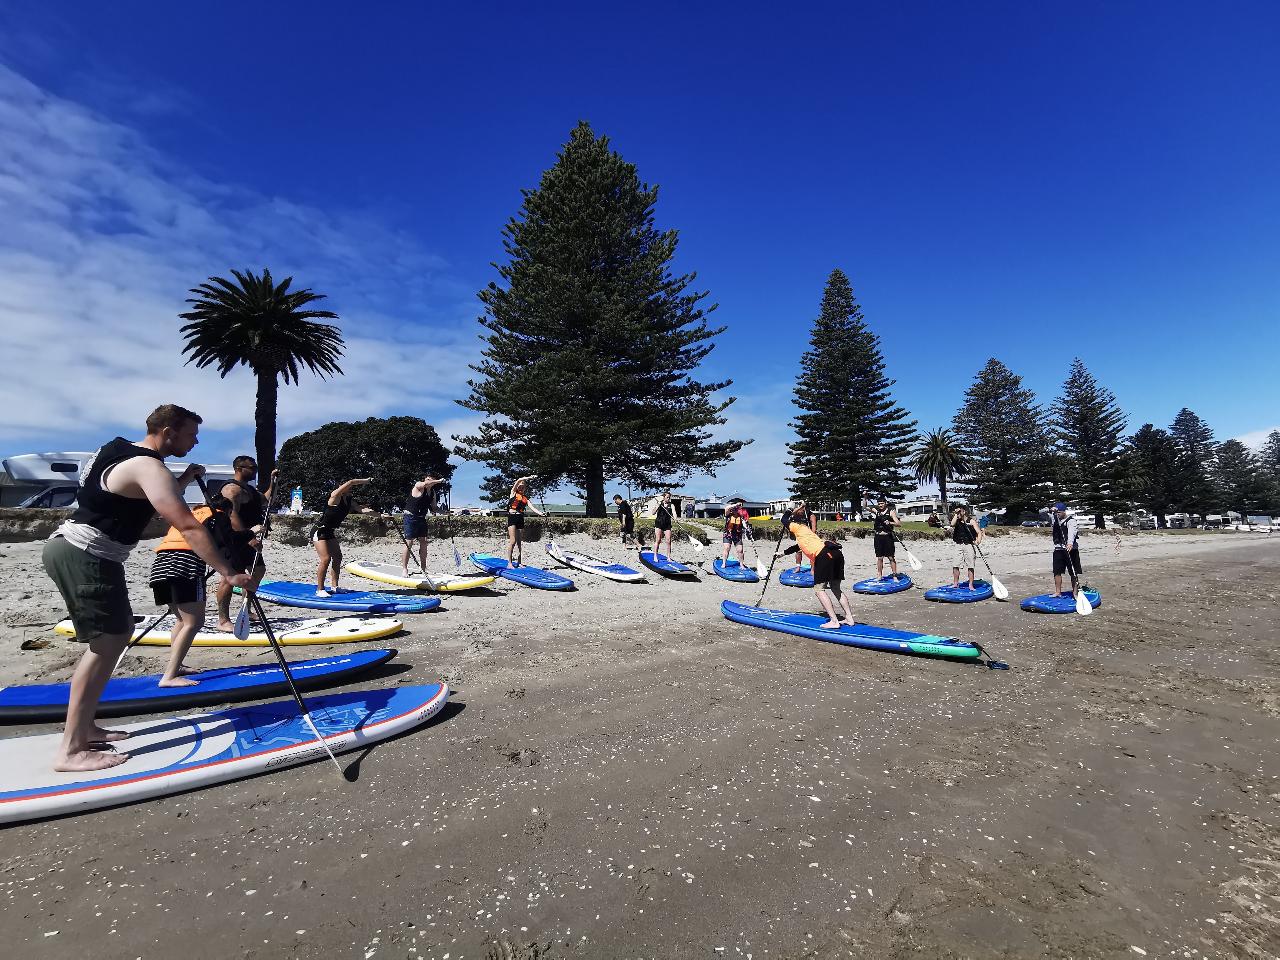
<point x="963" y="532"/>
<point x="121" y="518"/>
<point x="334" y="515"/>
<point x="662" y="517"/>
<point x="416" y="506"/>
<point x="251" y="511"/>
<point x="883" y="527"/>
<point x="1059" y="532"/>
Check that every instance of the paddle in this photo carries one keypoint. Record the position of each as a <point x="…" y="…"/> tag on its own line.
<point x="912" y="562"/>
<point x="998" y="588"/>
<point x="769" y="573"/>
<point x="404" y="540"/>
<point x="241" y="629"/>
<point x="1083" y="606"/>
<point x="760" y="571"/>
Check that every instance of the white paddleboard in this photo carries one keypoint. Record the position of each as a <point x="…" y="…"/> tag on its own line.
<point x="290" y="631"/>
<point x="589" y="564"/>
<point x="435" y="582"/>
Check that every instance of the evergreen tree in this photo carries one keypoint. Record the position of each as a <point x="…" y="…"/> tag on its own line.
<point x="1089" y="428"/>
<point x="1239" y="482"/>
<point x="1153" y="459"/>
<point x="592" y="343"/>
<point x="1269" y="466"/>
<point x="1002" y="429"/>
<point x="1196" y="455"/>
<point x="851" y="438"/>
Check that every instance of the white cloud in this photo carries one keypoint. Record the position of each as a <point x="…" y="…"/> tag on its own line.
<point x="102" y="239"/>
<point x="1254" y="439"/>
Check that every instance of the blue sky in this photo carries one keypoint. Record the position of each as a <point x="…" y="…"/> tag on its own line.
<point x="996" y="180"/>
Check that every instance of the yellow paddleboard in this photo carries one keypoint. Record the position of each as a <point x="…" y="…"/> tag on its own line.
<point x="290" y="631"/>
<point x="434" y="582"/>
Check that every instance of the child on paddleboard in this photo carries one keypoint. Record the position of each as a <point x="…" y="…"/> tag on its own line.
<point x="516" y="507"/>
<point x="324" y="535"/>
<point x="735" y="527"/>
<point x="827" y="560"/>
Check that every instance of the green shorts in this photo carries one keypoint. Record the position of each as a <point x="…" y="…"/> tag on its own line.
<point x="93" y="589"/>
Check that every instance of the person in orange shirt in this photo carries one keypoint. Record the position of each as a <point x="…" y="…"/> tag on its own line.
<point x="827" y="560"/>
<point x="516" y="507"/>
<point x="177" y="579"/>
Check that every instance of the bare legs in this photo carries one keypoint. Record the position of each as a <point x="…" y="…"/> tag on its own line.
<point x="225" y="623"/>
<point x="515" y="550"/>
<point x="657" y="546"/>
<point x="330" y="554"/>
<point x="833" y="621"/>
<point x="893" y="566"/>
<point x="189" y="619"/>
<point x="82" y="738"/>
<point x="407" y="554"/>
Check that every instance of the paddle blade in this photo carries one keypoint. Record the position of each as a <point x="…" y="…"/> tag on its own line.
<point x="457" y="558"/>
<point x="697" y="545"/>
<point x="1083" y="606"/>
<point x="241" y="629"/>
<point x="912" y="562"/>
<point x="761" y="572"/>
<point x="999" y="589"/>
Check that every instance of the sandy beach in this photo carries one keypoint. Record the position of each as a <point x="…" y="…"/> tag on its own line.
<point x="624" y="773"/>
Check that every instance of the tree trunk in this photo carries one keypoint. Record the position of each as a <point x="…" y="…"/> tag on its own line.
<point x="1099" y="521"/>
<point x="264" y="418"/>
<point x="595" y="489"/>
<point x="942" y="493"/>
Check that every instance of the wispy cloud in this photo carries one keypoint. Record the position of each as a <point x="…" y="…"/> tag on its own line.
<point x="102" y="238"/>
<point x="1254" y="439"/>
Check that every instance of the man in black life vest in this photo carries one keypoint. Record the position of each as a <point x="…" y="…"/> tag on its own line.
<point x="247" y="510"/>
<point x="1066" y="548"/>
<point x="122" y="486"/>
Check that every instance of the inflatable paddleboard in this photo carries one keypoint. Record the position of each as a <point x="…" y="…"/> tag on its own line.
<point x="589" y="564"/>
<point x="289" y="631"/>
<point x="289" y="594"/>
<point x="859" y="635"/>
<point x="961" y="594"/>
<point x="1059" y="603"/>
<point x="529" y="576"/>
<point x="888" y="584"/>
<point x="666" y="566"/>
<point x="732" y="570"/>
<point x="182" y="753"/>
<point x="434" y="582"/>
<point x="791" y="577"/>
<point x="128" y="695"/>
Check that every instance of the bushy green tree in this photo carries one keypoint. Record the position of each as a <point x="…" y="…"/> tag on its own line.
<point x="1238" y="480"/>
<point x="1269" y="466"/>
<point x="1002" y="429"/>
<point x="1197" y="453"/>
<point x="1088" y="426"/>
<point x="851" y="438"/>
<point x="592" y="343"/>
<point x="396" y="451"/>
<point x="1152" y="458"/>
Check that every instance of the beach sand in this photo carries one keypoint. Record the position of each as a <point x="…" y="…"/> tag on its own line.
<point x="624" y="773"/>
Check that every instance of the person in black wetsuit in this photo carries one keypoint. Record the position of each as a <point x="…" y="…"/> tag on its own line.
<point x="664" y="518"/>
<point x="122" y="487"/>
<point x="247" y="510"/>
<point x="626" y="520"/>
<point x="886" y="519"/>
<point x="324" y="535"/>
<point x="423" y="501"/>
<point x="966" y="535"/>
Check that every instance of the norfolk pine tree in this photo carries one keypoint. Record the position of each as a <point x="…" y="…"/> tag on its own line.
<point x="851" y="438"/>
<point x="1089" y="428"/>
<point x="592" y="343"/>
<point x="1197" y="454"/>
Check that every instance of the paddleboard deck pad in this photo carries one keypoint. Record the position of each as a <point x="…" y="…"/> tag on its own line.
<point x="665" y="565"/>
<point x="434" y="582"/>
<point x="879" y="585"/>
<point x="1059" y="603"/>
<point x="860" y="635"/>
<point x="130" y="695"/>
<point x="732" y="570"/>
<point x="175" y="754"/>
<point x="961" y="594"/>
<point x="791" y="577"/>
<point x="529" y="576"/>
<point x="289" y="594"/>
<point x="290" y="631"/>
<point x="589" y="564"/>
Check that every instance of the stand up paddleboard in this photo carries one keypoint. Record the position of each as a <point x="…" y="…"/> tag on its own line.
<point x="878" y="585"/>
<point x="289" y="594"/>
<point x="130" y="695"/>
<point x="1059" y="603"/>
<point x="290" y="631"/>
<point x="961" y="594"/>
<point x="434" y="582"/>
<point x="589" y="564"/>
<point x="529" y="576"/>
<point x="183" y="753"/>
<point x="733" y="570"/>
<point x="666" y="566"/>
<point x="859" y="635"/>
<point x="791" y="577"/>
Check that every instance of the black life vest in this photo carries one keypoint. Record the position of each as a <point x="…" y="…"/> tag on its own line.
<point x="121" y="518"/>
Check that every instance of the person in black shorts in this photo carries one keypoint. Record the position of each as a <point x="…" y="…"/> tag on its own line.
<point x="423" y="501"/>
<point x="246" y="508"/>
<point x="324" y="535"/>
<point x="799" y="512"/>
<point x="626" y="520"/>
<point x="516" y="507"/>
<point x="1065" y="532"/>
<point x="663" y="520"/>
<point x="827" y="560"/>
<point x="886" y="519"/>
<point x="178" y="577"/>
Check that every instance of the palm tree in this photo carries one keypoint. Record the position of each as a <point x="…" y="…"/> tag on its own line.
<point x="939" y="458"/>
<point x="263" y="326"/>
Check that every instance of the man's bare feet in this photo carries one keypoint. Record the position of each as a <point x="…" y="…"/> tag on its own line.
<point x="179" y="681"/>
<point x="831" y="625"/>
<point x="226" y="626"/>
<point x="88" y="760"/>
<point x="101" y="735"/>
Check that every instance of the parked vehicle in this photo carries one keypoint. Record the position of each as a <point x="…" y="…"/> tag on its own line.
<point x="60" y="496"/>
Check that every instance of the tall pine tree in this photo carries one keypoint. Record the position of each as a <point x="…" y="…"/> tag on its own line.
<point x="1269" y="465"/>
<point x="1238" y="481"/>
<point x="851" y="438"/>
<point x="1089" y="428"/>
<point x="1196" y="455"/>
<point x="1002" y="429"/>
<point x="592" y="343"/>
<point x="1153" y="461"/>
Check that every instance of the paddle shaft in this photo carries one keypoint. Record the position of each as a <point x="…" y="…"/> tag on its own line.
<point x="768" y="577"/>
<point x="996" y="586"/>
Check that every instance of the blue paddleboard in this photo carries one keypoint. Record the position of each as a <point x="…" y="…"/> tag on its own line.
<point x="128" y="695"/>
<point x="859" y="635"/>
<point x="289" y="594"/>
<point x="1059" y="603"/>
<point x="529" y="576"/>
<point x="883" y="584"/>
<point x="732" y="570"/>
<point x="665" y="565"/>
<point x="961" y="594"/>
<point x="791" y="577"/>
<point x="173" y="754"/>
